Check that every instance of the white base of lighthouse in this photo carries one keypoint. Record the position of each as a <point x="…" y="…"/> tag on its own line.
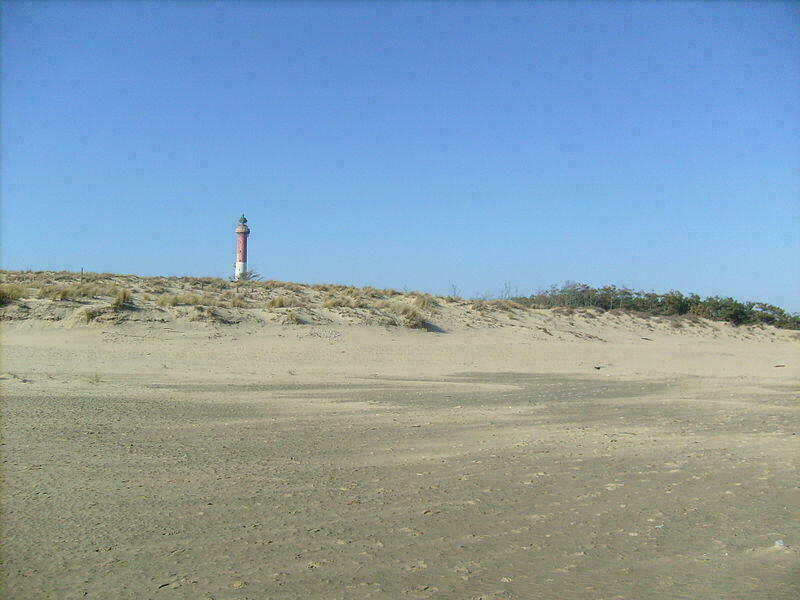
<point x="239" y="270"/>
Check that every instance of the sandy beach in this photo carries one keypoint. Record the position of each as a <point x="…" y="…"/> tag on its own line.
<point x="399" y="300"/>
<point x="492" y="453"/>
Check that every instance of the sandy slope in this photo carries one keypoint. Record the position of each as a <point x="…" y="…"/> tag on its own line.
<point x="163" y="455"/>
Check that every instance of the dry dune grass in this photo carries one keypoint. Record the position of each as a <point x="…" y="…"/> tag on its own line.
<point x="74" y="292"/>
<point x="11" y="292"/>
<point x="425" y="302"/>
<point x="506" y="305"/>
<point x="409" y="316"/>
<point x="291" y="318"/>
<point x="346" y="301"/>
<point x="121" y="299"/>
<point x="281" y="302"/>
<point x="115" y="298"/>
<point x="325" y="302"/>
<point x="87" y="314"/>
<point x="185" y="299"/>
<point x="237" y="301"/>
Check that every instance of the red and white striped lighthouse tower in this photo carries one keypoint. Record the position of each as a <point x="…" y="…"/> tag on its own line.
<point x="242" y="231"/>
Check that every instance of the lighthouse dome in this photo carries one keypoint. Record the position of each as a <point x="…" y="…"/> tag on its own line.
<point x="242" y="227"/>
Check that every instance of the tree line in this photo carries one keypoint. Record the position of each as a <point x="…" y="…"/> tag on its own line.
<point x="574" y="295"/>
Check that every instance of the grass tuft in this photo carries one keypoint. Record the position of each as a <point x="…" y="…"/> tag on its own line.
<point x="410" y="316"/>
<point x="425" y="302"/>
<point x="237" y="302"/>
<point x="10" y="292"/>
<point x="186" y="299"/>
<point x="479" y="305"/>
<point x="281" y="302"/>
<point x="90" y="313"/>
<point x="74" y="292"/>
<point x="344" y="301"/>
<point x="507" y="305"/>
<point x="121" y="300"/>
<point x="168" y="300"/>
<point x="291" y="318"/>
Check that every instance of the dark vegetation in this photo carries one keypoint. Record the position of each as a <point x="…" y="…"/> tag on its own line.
<point x="574" y="295"/>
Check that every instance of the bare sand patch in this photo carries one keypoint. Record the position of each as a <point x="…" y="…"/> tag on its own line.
<point x="343" y="461"/>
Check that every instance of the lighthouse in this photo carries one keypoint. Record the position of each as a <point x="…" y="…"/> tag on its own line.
<point x="242" y="231"/>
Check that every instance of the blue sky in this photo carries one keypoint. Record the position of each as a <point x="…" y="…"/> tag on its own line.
<point x="408" y="145"/>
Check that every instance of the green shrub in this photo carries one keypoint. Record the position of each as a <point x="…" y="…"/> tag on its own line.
<point x="572" y="295"/>
<point x="728" y="309"/>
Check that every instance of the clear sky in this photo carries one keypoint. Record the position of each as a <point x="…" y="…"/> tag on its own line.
<point x="409" y="145"/>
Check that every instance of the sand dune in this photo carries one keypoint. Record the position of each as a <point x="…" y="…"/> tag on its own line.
<point x="336" y="444"/>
